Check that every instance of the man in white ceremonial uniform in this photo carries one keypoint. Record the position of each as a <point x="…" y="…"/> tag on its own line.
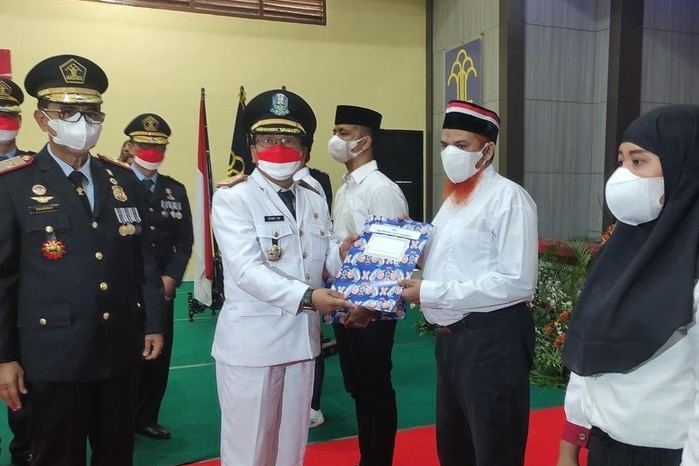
<point x="479" y="272"/>
<point x="273" y="252"/>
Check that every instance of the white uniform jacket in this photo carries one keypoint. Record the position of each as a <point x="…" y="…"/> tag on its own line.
<point x="260" y="323"/>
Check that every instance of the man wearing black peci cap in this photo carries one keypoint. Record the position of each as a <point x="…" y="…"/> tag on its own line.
<point x="170" y="220"/>
<point x="276" y="239"/>
<point x="479" y="272"/>
<point x="365" y="348"/>
<point x="80" y="293"/>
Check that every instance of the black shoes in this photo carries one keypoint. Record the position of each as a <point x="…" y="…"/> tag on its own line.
<point x="25" y="460"/>
<point x="155" y="431"/>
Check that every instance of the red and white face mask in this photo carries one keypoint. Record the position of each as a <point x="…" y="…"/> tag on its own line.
<point x="279" y="162"/>
<point x="9" y="127"/>
<point x="149" y="158"/>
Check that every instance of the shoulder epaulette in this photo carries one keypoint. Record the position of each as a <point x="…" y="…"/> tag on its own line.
<point x="232" y="181"/>
<point x="107" y="159"/>
<point x="169" y="178"/>
<point x="303" y="184"/>
<point x="15" y="163"/>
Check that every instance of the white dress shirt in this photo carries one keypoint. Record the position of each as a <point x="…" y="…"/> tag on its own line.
<point x="653" y="405"/>
<point x="483" y="253"/>
<point x="364" y="192"/>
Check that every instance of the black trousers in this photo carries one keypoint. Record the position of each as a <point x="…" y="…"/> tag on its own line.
<point x="605" y="451"/>
<point x="365" y="360"/>
<point x="20" y="446"/>
<point x="483" y="388"/>
<point x="154" y="376"/>
<point x="64" y="416"/>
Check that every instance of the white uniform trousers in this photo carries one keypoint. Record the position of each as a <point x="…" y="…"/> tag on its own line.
<point x="264" y="413"/>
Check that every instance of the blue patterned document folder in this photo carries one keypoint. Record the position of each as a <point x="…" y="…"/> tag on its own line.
<point x="386" y="251"/>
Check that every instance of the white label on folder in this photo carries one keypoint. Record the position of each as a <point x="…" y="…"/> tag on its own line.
<point x="394" y="231"/>
<point x="386" y="247"/>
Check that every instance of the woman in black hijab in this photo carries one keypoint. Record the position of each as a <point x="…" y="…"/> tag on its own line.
<point x="632" y="344"/>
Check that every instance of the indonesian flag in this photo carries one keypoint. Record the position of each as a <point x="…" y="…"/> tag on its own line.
<point x="203" y="242"/>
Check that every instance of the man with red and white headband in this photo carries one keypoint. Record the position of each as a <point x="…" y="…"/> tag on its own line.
<point x="275" y="237"/>
<point x="11" y="97"/>
<point x="170" y="220"/>
<point x="479" y="272"/>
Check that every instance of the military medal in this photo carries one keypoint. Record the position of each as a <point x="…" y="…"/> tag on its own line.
<point x="123" y="231"/>
<point x="274" y="253"/>
<point x="178" y="215"/>
<point x="170" y="197"/>
<point x="53" y="249"/>
<point x="39" y="189"/>
<point x="119" y="194"/>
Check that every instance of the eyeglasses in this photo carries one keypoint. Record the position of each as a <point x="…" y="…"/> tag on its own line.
<point x="269" y="141"/>
<point x="73" y="115"/>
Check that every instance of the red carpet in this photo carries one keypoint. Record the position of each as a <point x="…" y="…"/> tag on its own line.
<point x="416" y="447"/>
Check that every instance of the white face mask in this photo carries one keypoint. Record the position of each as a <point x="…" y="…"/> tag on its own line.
<point x="632" y="199"/>
<point x="79" y="135"/>
<point x="341" y="150"/>
<point x="458" y="164"/>
<point x="7" y="135"/>
<point x="279" y="171"/>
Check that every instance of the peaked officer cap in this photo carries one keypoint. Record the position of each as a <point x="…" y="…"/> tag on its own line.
<point x="69" y="79"/>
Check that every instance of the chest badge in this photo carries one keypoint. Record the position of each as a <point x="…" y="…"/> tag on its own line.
<point x="274" y="252"/>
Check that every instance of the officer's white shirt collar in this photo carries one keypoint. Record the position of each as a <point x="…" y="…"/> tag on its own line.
<point x="9" y="155"/>
<point x="142" y="177"/>
<point x="67" y="169"/>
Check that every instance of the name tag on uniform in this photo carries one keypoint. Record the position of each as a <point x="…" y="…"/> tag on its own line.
<point x="274" y="218"/>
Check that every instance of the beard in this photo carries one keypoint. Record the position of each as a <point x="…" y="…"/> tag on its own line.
<point x="460" y="192"/>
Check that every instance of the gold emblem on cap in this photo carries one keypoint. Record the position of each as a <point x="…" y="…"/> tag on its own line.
<point x="119" y="194"/>
<point x="280" y="104"/>
<point x="274" y="253"/>
<point x="73" y="72"/>
<point x="39" y="189"/>
<point x="150" y="123"/>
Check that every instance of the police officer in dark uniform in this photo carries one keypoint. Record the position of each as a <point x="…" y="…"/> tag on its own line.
<point x="11" y="97"/>
<point x="80" y="293"/>
<point x="170" y="220"/>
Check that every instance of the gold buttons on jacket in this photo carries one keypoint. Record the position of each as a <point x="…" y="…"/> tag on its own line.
<point x="106" y="316"/>
<point x="94" y="225"/>
<point x="152" y="228"/>
<point x="48" y="229"/>
<point x="138" y="305"/>
<point x="99" y="256"/>
<point x="104" y="286"/>
<point x="151" y="209"/>
<point x="42" y="321"/>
